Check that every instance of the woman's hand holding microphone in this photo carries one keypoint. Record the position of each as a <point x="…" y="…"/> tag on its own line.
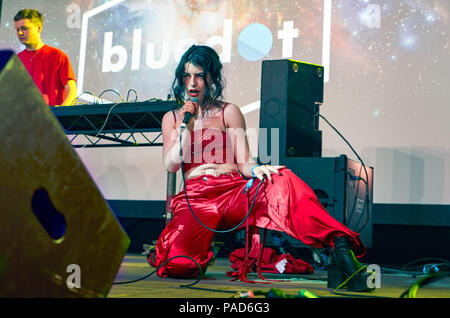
<point x="189" y="111"/>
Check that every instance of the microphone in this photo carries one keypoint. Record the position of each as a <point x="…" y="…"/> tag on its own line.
<point x="188" y="115"/>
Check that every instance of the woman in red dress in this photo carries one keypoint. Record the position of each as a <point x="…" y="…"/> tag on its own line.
<point x="212" y="150"/>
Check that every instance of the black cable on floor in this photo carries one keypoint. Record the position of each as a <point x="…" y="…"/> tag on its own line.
<point x="157" y="268"/>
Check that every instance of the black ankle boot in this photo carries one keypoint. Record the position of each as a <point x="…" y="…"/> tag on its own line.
<point x="344" y="270"/>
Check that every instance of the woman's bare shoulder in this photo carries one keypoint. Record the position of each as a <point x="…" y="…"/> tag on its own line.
<point x="170" y="118"/>
<point x="233" y="116"/>
<point x="232" y="109"/>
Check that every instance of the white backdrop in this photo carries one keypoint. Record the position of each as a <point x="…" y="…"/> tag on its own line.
<point x="387" y="67"/>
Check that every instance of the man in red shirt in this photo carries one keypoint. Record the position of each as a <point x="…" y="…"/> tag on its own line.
<point x="49" y="67"/>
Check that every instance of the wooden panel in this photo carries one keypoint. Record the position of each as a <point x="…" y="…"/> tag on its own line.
<point x="44" y="184"/>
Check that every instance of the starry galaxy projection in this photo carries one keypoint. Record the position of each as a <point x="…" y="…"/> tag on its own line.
<point x="388" y="67"/>
<point x="400" y="51"/>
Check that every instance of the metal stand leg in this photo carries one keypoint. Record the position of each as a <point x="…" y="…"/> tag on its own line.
<point x="171" y="188"/>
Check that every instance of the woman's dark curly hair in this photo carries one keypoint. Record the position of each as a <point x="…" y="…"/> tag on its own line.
<point x="208" y="59"/>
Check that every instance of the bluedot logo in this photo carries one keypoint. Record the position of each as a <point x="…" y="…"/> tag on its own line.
<point x="254" y="42"/>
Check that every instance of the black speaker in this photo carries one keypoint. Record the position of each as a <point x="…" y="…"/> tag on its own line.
<point x="59" y="237"/>
<point x="291" y="92"/>
<point x="343" y="188"/>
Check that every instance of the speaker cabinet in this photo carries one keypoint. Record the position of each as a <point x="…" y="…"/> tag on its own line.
<point x="291" y="92"/>
<point x="59" y="238"/>
<point x="342" y="187"/>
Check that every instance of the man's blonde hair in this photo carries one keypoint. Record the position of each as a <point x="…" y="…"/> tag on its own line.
<point x="34" y="16"/>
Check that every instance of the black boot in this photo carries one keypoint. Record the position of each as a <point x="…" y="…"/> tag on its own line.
<point x="344" y="270"/>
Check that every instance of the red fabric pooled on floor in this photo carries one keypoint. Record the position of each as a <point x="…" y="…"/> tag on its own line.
<point x="269" y="261"/>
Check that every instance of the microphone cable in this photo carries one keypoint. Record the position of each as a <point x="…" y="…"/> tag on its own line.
<point x="247" y="188"/>
<point x="163" y="264"/>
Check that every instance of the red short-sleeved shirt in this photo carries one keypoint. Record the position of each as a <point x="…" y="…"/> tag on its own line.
<point x="50" y="69"/>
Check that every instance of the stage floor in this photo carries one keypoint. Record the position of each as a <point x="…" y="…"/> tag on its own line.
<point x="217" y="284"/>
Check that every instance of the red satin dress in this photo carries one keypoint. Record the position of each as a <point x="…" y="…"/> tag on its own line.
<point x="221" y="202"/>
